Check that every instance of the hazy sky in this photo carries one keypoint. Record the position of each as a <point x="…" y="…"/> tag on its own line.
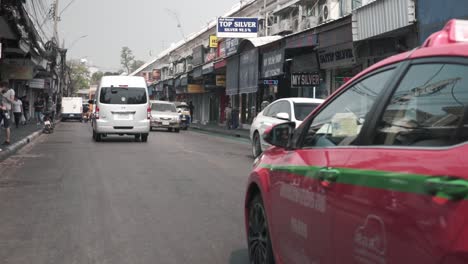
<point x="143" y="25"/>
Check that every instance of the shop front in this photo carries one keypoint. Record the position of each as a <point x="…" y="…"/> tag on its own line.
<point x="303" y="77"/>
<point x="272" y="83"/>
<point x="336" y="55"/>
<point x="340" y="64"/>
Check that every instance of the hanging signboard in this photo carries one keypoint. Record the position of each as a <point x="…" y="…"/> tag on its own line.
<point x="221" y="80"/>
<point x="213" y="41"/>
<point x="195" y="88"/>
<point x="305" y="79"/>
<point x="272" y="63"/>
<point x="337" y="56"/>
<point x="237" y="27"/>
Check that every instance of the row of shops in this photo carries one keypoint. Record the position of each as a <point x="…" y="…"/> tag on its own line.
<point x="30" y="65"/>
<point x="246" y="72"/>
<point x="312" y="63"/>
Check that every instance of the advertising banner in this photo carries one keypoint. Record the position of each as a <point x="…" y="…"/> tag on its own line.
<point x="213" y="41"/>
<point x="337" y="56"/>
<point x="305" y="79"/>
<point x="272" y="63"/>
<point x="237" y="27"/>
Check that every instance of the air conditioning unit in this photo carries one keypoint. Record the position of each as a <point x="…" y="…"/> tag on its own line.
<point x="286" y="26"/>
<point x="275" y="29"/>
<point x="309" y="22"/>
<point x="189" y="67"/>
<point x="329" y="11"/>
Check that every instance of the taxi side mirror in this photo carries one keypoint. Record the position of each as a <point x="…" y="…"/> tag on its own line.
<point x="280" y="135"/>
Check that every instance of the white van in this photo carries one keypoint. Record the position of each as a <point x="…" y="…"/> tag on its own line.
<point x="122" y="108"/>
<point x="72" y="108"/>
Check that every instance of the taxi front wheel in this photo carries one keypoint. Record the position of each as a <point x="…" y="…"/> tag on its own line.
<point x="260" y="249"/>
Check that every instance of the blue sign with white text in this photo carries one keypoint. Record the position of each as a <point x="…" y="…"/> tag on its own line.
<point x="237" y="27"/>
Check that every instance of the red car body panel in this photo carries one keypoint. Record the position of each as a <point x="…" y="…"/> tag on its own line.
<point x="380" y="211"/>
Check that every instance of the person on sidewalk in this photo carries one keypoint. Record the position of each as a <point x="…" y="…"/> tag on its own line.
<point x="52" y="108"/>
<point x="8" y="97"/>
<point x="25" y="102"/>
<point x="17" y="111"/>
<point x="228" y="113"/>
<point x="38" y="109"/>
<point x="191" y="108"/>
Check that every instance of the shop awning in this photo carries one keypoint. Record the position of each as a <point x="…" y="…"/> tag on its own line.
<point x="184" y="80"/>
<point x="220" y="64"/>
<point x="208" y="68"/>
<point x="262" y="41"/>
<point x="197" y="72"/>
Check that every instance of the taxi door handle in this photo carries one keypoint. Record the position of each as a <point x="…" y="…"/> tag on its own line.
<point x="328" y="176"/>
<point x="451" y="187"/>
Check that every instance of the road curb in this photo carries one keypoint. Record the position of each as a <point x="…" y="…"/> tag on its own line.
<point x="232" y="133"/>
<point x="10" y="150"/>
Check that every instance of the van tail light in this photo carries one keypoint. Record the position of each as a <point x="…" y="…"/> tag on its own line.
<point x="96" y="114"/>
<point x="148" y="113"/>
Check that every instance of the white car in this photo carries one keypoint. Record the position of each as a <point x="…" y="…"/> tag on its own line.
<point x="165" y="115"/>
<point x="122" y="108"/>
<point x="280" y="111"/>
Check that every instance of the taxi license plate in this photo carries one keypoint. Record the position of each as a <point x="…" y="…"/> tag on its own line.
<point x="165" y="123"/>
<point x="72" y="115"/>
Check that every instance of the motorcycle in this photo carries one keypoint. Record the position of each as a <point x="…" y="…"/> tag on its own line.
<point x="48" y="124"/>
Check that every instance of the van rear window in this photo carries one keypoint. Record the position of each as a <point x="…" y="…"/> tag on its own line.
<point x="123" y="95"/>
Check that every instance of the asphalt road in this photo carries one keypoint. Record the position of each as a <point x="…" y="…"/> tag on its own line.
<point x="176" y="199"/>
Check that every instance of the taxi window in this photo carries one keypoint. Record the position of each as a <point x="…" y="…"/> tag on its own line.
<point x="340" y="122"/>
<point x="429" y="108"/>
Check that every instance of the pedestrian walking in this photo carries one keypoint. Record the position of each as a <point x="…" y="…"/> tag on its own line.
<point x="8" y="97"/>
<point x="228" y="113"/>
<point x="51" y="109"/>
<point x="25" y="102"/>
<point x="17" y="111"/>
<point x="38" y="109"/>
<point x="191" y="108"/>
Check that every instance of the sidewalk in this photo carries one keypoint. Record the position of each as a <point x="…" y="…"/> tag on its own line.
<point x="19" y="137"/>
<point x="214" y="128"/>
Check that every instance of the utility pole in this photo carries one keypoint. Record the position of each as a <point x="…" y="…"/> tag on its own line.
<point x="56" y="21"/>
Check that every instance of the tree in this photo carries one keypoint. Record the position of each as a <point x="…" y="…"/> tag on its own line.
<point x="136" y="64"/>
<point x="79" y="75"/>
<point x="96" y="77"/>
<point x="126" y="58"/>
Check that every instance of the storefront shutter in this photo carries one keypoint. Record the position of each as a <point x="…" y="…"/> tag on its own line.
<point x="248" y="72"/>
<point x="232" y="76"/>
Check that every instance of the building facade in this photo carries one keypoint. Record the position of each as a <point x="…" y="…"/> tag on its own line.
<point x="305" y="48"/>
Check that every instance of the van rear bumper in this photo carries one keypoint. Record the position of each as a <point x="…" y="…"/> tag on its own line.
<point x="138" y="127"/>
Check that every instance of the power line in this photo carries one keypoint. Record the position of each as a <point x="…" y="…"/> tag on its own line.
<point x="65" y="8"/>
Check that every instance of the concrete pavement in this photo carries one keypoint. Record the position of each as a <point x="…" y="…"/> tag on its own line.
<point x="176" y="199"/>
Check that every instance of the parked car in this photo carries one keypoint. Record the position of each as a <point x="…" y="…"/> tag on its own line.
<point x="377" y="173"/>
<point x="184" y="112"/>
<point x="72" y="108"/>
<point x="164" y="115"/>
<point x="122" y="108"/>
<point x="288" y="109"/>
